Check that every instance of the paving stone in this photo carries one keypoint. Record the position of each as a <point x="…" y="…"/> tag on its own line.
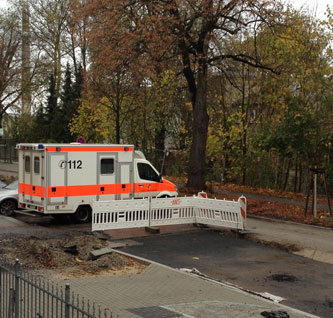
<point x="100" y="252"/>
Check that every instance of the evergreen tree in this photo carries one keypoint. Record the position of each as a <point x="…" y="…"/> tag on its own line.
<point x="71" y="93"/>
<point x="50" y="111"/>
<point x="66" y="105"/>
<point x="40" y="126"/>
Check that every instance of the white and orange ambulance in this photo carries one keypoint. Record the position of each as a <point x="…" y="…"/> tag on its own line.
<point x="61" y="179"/>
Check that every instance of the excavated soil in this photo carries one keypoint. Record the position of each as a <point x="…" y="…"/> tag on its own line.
<point x="69" y="257"/>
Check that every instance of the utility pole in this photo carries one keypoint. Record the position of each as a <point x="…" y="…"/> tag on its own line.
<point x="313" y="187"/>
<point x="315" y="192"/>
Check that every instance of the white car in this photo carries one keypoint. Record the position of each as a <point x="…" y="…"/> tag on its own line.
<point x="9" y="198"/>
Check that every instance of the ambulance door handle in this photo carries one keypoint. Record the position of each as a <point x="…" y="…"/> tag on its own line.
<point x="140" y="185"/>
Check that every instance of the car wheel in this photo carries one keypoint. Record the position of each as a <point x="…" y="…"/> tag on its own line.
<point x="7" y="207"/>
<point x="82" y="214"/>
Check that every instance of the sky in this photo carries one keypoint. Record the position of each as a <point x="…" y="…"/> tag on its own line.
<point x="318" y="5"/>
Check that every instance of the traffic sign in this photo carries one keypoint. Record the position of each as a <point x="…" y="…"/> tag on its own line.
<point x="81" y="140"/>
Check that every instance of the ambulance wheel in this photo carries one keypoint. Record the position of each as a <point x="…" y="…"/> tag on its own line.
<point x="82" y="214"/>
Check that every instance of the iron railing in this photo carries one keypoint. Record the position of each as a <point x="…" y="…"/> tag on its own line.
<point x="8" y="152"/>
<point x="24" y="295"/>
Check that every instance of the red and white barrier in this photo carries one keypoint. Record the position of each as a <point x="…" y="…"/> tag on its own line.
<point x="117" y="214"/>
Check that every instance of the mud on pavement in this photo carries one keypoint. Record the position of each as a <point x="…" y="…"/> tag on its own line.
<point x="78" y="256"/>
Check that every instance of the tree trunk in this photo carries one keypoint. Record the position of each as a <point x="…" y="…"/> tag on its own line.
<point x="287" y="176"/>
<point x="301" y="177"/>
<point x="118" y="108"/>
<point x="296" y="175"/>
<point x="159" y="146"/>
<point x="196" y="174"/>
<point x="26" y="70"/>
<point x="244" y="131"/>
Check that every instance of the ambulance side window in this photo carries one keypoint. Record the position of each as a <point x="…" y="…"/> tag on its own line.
<point x="27" y="163"/>
<point x="107" y="166"/>
<point x="146" y="172"/>
<point x="36" y="165"/>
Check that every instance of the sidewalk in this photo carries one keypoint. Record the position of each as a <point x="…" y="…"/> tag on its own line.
<point x="8" y="170"/>
<point x="311" y="241"/>
<point x="163" y="292"/>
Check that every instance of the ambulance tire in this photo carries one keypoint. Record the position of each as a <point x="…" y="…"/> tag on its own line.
<point x="82" y="214"/>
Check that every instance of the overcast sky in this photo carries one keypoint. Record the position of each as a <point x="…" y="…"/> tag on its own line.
<point x="320" y="5"/>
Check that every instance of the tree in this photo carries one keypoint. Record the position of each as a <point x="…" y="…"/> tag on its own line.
<point x="70" y="96"/>
<point x="26" y="59"/>
<point x="51" y="112"/>
<point x="49" y="25"/>
<point x="195" y="33"/>
<point x="9" y="62"/>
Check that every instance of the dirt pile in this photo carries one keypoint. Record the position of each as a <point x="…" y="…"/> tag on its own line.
<point x="68" y="257"/>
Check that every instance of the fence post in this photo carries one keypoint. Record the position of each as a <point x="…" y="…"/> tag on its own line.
<point x="11" y="303"/>
<point x="67" y="300"/>
<point x="149" y="212"/>
<point x="17" y="288"/>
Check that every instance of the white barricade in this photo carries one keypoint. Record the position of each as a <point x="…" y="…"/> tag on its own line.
<point x="116" y="214"/>
<point x="219" y="213"/>
<point x="167" y="211"/>
<point x="120" y="214"/>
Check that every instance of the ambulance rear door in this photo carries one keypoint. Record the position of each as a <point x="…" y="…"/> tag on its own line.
<point x="37" y="176"/>
<point x="25" y="178"/>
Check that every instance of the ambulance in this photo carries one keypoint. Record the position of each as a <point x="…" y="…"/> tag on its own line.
<point x="63" y="179"/>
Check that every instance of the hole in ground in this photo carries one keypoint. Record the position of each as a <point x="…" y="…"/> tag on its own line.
<point x="283" y="278"/>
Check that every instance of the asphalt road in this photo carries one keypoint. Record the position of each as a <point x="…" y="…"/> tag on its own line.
<point x="306" y="284"/>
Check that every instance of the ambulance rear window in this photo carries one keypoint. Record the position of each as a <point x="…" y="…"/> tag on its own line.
<point x="36" y="165"/>
<point x="27" y="163"/>
<point x="107" y="166"/>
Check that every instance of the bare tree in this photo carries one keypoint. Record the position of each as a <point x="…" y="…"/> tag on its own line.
<point x="10" y="64"/>
<point x="49" y="21"/>
<point x="26" y="58"/>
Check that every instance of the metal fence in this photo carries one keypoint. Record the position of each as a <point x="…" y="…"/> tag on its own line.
<point x="8" y="153"/>
<point x="24" y="295"/>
